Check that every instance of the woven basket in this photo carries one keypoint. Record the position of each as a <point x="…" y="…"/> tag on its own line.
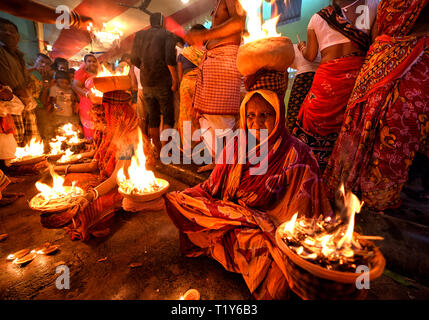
<point x="313" y="282"/>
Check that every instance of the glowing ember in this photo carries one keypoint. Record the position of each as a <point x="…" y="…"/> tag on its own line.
<point x="328" y="242"/>
<point x="33" y="149"/>
<point x="256" y="29"/>
<point x="140" y="180"/>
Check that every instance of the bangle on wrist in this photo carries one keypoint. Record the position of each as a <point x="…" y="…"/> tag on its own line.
<point x="66" y="170"/>
<point x="95" y="194"/>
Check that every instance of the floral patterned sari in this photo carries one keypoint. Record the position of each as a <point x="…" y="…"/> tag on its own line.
<point x="187" y="90"/>
<point x="387" y="117"/>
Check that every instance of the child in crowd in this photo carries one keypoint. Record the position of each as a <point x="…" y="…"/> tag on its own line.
<point x="62" y="100"/>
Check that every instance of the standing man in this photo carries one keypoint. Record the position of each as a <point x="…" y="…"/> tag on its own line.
<point x="14" y="74"/>
<point x="217" y="96"/>
<point x="154" y="53"/>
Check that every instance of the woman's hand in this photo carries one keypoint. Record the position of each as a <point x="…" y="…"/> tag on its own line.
<point x="82" y="202"/>
<point x="302" y="45"/>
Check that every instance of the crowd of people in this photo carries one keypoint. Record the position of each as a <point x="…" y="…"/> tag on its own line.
<point x="358" y="115"/>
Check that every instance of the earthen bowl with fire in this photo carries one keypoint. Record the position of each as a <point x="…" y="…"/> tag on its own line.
<point x="57" y="198"/>
<point x="153" y="191"/>
<point x="138" y="184"/>
<point x="107" y="81"/>
<point x="33" y="152"/>
<point x="322" y="256"/>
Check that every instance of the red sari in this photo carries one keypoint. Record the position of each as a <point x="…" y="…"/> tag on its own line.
<point x="233" y="216"/>
<point x="95" y="220"/>
<point x="85" y="105"/>
<point x="387" y="118"/>
<point x="322" y="112"/>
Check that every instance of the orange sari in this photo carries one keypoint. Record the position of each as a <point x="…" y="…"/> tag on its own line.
<point x="233" y="216"/>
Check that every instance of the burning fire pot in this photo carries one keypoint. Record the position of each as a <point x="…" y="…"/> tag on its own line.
<point x="322" y="256"/>
<point x="32" y="153"/>
<point x="56" y="198"/>
<point x="140" y="184"/>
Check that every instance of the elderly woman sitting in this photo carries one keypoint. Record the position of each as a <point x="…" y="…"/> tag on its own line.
<point x="233" y="216"/>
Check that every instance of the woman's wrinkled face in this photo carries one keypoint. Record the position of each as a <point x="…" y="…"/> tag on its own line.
<point x="260" y="115"/>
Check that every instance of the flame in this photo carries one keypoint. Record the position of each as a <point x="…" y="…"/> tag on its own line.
<point x="353" y="206"/>
<point x="67" y="129"/>
<point x="72" y="135"/>
<point x="107" y="34"/>
<point x="258" y="30"/>
<point x="56" y="144"/>
<point x="33" y="149"/>
<point x="318" y="242"/>
<point x="140" y="180"/>
<point x="290" y="226"/>
<point x="96" y="92"/>
<point x="57" y="190"/>
<point x="107" y="73"/>
<point x="67" y="156"/>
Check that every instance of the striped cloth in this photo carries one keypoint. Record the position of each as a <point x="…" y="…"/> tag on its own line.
<point x="268" y="80"/>
<point x="30" y="126"/>
<point x="19" y="129"/>
<point x="4" y="181"/>
<point x="218" y="83"/>
<point x="117" y="97"/>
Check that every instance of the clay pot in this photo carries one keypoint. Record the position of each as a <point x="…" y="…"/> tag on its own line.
<point x="106" y="84"/>
<point x="271" y="54"/>
<point x="313" y="282"/>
